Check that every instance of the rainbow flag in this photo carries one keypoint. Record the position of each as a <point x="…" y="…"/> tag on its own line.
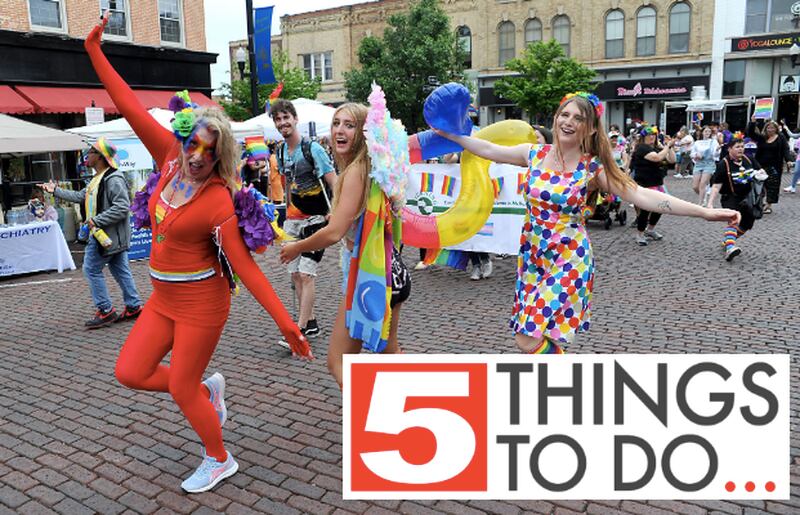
<point x="487" y="230"/>
<point x="520" y="182"/>
<point x="255" y="148"/>
<point x="448" y="185"/>
<point x="453" y="258"/>
<point x="426" y="182"/>
<point x="764" y="108"/>
<point x="497" y="185"/>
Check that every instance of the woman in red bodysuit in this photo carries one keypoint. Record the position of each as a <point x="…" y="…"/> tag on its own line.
<point x="190" y="207"/>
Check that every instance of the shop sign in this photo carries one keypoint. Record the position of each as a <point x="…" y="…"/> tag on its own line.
<point x="789" y="84"/>
<point x="649" y="88"/>
<point x="768" y="42"/>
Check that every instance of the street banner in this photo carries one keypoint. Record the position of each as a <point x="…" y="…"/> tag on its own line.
<point x="261" y="38"/>
<point x="764" y="107"/>
<point x="575" y="426"/>
<point x="136" y="162"/>
<point x="433" y="188"/>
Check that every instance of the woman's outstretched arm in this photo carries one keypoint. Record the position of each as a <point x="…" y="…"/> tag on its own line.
<point x="515" y="155"/>
<point x="158" y="140"/>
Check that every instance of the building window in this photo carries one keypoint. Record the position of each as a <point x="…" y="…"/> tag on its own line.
<point x="48" y="14"/>
<point x="319" y="65"/>
<point x="646" y="31"/>
<point x="464" y="37"/>
<point x="769" y="16"/>
<point x="118" y="17"/>
<point x="561" y="32"/>
<point x="169" y="17"/>
<point x="533" y="31"/>
<point x="733" y="78"/>
<point x="615" y="34"/>
<point x="680" y="19"/>
<point x="505" y="40"/>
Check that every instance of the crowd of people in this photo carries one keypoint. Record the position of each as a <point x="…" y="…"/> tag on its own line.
<point x="332" y="196"/>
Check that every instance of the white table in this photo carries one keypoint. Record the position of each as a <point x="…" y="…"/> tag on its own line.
<point x="33" y="247"/>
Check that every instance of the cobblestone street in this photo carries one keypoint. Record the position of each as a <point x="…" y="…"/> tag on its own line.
<point x="72" y="440"/>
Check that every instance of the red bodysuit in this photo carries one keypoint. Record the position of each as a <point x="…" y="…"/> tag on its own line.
<point x="185" y="317"/>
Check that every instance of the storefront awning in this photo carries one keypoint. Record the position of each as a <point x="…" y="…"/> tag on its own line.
<point x="12" y="103"/>
<point x="75" y="100"/>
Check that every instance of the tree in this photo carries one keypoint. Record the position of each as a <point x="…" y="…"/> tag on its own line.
<point x="415" y="46"/>
<point x="296" y="84"/>
<point x="546" y="74"/>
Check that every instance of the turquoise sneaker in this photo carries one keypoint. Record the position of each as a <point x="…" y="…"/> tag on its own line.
<point x="209" y="473"/>
<point x="216" y="385"/>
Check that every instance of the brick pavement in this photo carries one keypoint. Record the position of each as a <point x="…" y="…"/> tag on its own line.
<point x="73" y="441"/>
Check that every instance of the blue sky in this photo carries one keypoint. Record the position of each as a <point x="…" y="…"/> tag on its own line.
<point x="225" y="21"/>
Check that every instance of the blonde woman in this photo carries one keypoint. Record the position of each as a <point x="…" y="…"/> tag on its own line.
<point x="187" y="311"/>
<point x="555" y="272"/>
<point x="349" y="204"/>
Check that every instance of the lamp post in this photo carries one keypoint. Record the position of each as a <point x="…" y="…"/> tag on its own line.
<point x="252" y="54"/>
<point x="241" y="57"/>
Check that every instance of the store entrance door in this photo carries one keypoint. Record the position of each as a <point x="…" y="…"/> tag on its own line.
<point x="788" y="110"/>
<point x="634" y="112"/>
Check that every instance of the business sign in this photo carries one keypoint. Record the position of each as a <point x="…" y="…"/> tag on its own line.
<point x="789" y="84"/>
<point x="613" y="426"/>
<point x="94" y="115"/>
<point x="648" y="89"/>
<point x="769" y="42"/>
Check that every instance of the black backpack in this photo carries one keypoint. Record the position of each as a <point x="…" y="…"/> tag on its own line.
<point x="310" y="206"/>
<point x="305" y="147"/>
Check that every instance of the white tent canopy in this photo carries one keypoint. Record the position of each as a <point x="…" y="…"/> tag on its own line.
<point x="18" y="137"/>
<point x="307" y="111"/>
<point x="120" y="128"/>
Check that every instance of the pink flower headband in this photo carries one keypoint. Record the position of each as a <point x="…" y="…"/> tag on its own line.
<point x="591" y="97"/>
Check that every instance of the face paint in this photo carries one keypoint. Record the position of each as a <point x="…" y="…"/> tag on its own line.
<point x="195" y="144"/>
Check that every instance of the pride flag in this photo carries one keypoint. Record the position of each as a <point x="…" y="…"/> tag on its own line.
<point x="520" y="182"/>
<point x="448" y="185"/>
<point x="497" y="185"/>
<point x="453" y="258"/>
<point x="426" y="182"/>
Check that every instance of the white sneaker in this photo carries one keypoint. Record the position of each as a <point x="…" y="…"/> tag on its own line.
<point x="476" y="273"/>
<point x="420" y="266"/>
<point x="678" y="176"/>
<point x="641" y="241"/>
<point x="216" y="385"/>
<point x="789" y="189"/>
<point x="209" y="473"/>
<point x="732" y="253"/>
<point x="653" y="235"/>
<point x="487" y="268"/>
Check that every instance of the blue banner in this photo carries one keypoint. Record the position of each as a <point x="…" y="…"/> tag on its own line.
<point x="261" y="39"/>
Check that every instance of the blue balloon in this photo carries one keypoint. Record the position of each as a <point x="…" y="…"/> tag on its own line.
<point x="447" y="107"/>
<point x="432" y="145"/>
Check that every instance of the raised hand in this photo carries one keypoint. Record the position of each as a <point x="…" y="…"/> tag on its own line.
<point x="96" y="35"/>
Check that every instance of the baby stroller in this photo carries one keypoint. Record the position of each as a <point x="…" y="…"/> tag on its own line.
<point x="608" y="204"/>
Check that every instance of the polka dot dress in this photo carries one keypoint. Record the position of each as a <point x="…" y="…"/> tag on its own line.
<point x="555" y="268"/>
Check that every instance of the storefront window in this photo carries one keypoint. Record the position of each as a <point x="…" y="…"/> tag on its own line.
<point x="646" y="31"/>
<point x="733" y="78"/>
<point x="615" y="34"/>
<point x="505" y="34"/>
<point x="760" y="77"/>
<point x="780" y="16"/>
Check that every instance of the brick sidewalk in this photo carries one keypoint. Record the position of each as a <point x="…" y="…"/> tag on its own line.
<point x="72" y="440"/>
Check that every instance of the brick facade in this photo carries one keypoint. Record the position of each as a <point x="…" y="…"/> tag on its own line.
<point x="144" y="29"/>
<point x="340" y="30"/>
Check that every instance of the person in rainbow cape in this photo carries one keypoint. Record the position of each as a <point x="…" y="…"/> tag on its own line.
<point x="372" y="151"/>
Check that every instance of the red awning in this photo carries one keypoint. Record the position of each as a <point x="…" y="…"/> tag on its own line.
<point x="75" y="100"/>
<point x="12" y="103"/>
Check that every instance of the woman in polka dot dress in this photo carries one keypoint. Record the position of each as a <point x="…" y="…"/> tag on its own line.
<point x="555" y="271"/>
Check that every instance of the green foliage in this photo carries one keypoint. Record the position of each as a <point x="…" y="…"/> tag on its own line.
<point x="416" y="45"/>
<point x="296" y="84"/>
<point x="545" y="76"/>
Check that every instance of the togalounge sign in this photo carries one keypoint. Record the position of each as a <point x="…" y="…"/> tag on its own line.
<point x="768" y="42"/>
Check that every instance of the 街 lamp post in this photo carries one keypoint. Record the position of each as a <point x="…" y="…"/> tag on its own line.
<point x="243" y="56"/>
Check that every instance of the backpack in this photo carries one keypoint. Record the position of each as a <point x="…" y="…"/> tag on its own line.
<point x="312" y="207"/>
<point x="305" y="147"/>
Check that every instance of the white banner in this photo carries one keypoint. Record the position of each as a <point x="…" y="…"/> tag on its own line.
<point x="32" y="248"/>
<point x="134" y="159"/>
<point x="500" y="234"/>
<point x="613" y="426"/>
